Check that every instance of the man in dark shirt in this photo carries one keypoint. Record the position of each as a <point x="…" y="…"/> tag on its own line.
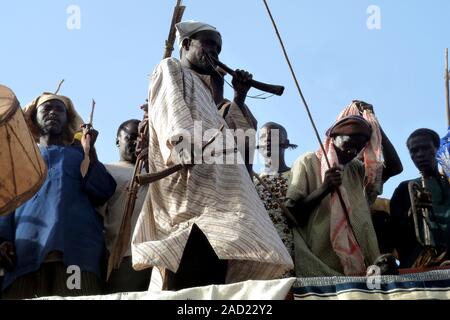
<point x="423" y="145"/>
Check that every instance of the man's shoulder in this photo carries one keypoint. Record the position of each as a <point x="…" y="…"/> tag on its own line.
<point x="308" y="157"/>
<point x="168" y="64"/>
<point x="72" y="150"/>
<point x="404" y="184"/>
<point x="120" y="168"/>
<point x="401" y="190"/>
<point x="309" y="162"/>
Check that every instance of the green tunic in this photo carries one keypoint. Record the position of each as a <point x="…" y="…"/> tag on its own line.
<point x="314" y="254"/>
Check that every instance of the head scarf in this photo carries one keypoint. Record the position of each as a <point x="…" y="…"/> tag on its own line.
<point x="351" y="125"/>
<point x="74" y="121"/>
<point x="187" y="29"/>
<point x="342" y="237"/>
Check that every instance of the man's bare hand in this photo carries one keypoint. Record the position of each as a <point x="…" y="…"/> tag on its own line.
<point x="333" y="179"/>
<point x="241" y="85"/>
<point x="364" y="106"/>
<point x="88" y="139"/>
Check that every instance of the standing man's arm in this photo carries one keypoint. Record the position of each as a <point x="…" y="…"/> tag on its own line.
<point x="241" y="85"/>
<point x="97" y="182"/>
<point x="401" y="238"/>
<point x="392" y="163"/>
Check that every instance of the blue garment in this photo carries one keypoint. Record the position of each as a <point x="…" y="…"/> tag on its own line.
<point x="61" y="216"/>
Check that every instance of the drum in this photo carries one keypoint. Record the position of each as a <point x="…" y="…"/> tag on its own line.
<point x="22" y="168"/>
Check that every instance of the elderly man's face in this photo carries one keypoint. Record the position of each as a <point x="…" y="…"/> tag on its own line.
<point x="348" y="147"/>
<point x="51" y="117"/>
<point x="423" y="153"/>
<point x="202" y="43"/>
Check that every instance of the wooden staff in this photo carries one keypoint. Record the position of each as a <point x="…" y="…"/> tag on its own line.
<point x="176" y="18"/>
<point x="308" y="111"/>
<point x="447" y="80"/>
<point x="153" y="177"/>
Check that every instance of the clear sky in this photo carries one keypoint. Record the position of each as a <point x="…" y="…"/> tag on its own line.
<point x="397" y="66"/>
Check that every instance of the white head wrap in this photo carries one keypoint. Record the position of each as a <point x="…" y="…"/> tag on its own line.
<point x="186" y="29"/>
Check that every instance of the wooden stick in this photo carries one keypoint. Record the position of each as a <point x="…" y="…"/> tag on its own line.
<point x="447" y="79"/>
<point x="308" y="111"/>
<point x="176" y="18"/>
<point x="91" y="116"/>
<point x="59" y="86"/>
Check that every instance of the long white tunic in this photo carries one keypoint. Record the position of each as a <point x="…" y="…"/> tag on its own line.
<point x="219" y="198"/>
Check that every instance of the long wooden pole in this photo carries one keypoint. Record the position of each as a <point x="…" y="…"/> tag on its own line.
<point x="447" y="80"/>
<point x="308" y="111"/>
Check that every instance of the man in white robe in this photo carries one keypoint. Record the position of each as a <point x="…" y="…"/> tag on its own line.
<point x="211" y="207"/>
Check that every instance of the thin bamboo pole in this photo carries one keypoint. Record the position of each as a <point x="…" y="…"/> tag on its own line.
<point x="447" y="80"/>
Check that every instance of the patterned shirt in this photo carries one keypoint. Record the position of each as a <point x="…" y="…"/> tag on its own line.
<point x="273" y="193"/>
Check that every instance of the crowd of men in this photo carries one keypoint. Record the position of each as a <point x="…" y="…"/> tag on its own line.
<point x="213" y="221"/>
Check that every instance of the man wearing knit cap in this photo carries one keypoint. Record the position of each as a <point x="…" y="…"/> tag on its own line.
<point x="204" y="224"/>
<point x="59" y="227"/>
<point x="335" y="234"/>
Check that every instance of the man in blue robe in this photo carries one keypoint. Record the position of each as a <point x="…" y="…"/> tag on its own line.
<point x="53" y="245"/>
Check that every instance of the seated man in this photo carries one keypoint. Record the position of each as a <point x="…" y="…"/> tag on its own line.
<point x="124" y="279"/>
<point x="59" y="227"/>
<point x="335" y="235"/>
<point x="423" y="145"/>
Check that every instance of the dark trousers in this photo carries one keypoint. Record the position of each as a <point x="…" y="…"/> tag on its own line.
<point x="199" y="265"/>
<point x="126" y="279"/>
<point x="51" y="280"/>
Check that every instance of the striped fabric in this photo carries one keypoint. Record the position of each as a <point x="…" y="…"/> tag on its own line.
<point x="235" y="118"/>
<point x="427" y="285"/>
<point x="220" y="199"/>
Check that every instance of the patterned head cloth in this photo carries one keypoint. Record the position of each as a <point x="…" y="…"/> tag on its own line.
<point x="351" y="125"/>
<point x="74" y="121"/>
<point x="187" y="29"/>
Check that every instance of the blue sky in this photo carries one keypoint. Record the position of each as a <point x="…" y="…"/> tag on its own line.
<point x="398" y="68"/>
